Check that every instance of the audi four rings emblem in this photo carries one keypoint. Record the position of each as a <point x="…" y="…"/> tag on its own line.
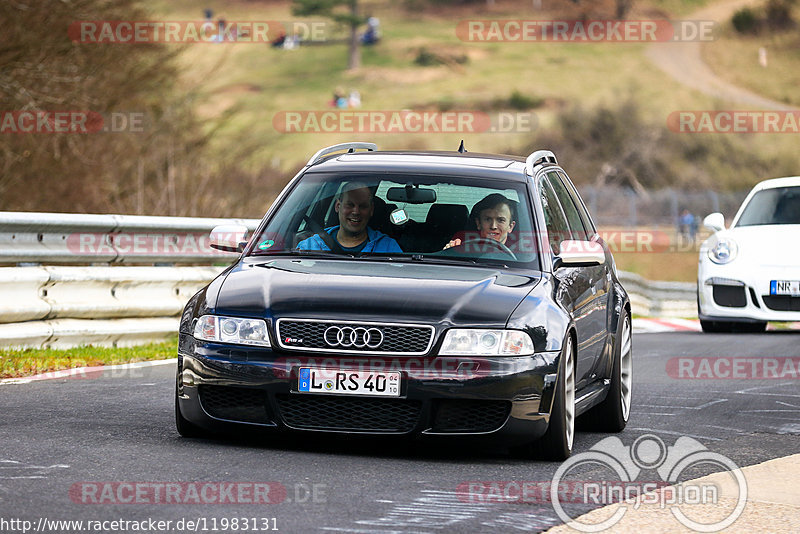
<point x="359" y="337"/>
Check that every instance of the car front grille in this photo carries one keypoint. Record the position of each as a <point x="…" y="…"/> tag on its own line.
<point x="234" y="403"/>
<point x="356" y="414"/>
<point x="781" y="302"/>
<point x="395" y="339"/>
<point x="455" y="415"/>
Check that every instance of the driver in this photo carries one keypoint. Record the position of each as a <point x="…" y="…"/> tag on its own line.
<point x="355" y="206"/>
<point x="495" y="217"/>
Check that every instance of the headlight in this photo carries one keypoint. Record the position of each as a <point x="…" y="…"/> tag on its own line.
<point x="467" y="342"/>
<point x="232" y="330"/>
<point x="723" y="251"/>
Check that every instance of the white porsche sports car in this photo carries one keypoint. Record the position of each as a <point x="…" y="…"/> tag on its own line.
<point x="749" y="273"/>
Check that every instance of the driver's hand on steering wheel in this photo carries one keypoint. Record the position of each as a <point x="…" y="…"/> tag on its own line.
<point x="453" y="243"/>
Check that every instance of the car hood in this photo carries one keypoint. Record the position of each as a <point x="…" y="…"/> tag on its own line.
<point x="768" y="245"/>
<point x="373" y="291"/>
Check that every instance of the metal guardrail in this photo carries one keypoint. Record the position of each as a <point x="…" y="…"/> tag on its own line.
<point x="660" y="299"/>
<point x="63" y="306"/>
<point x="48" y="238"/>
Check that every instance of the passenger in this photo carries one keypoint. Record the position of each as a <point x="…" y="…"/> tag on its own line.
<point x="355" y="206"/>
<point x="495" y="217"/>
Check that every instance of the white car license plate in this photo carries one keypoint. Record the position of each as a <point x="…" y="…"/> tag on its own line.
<point x="784" y="287"/>
<point x="348" y="382"/>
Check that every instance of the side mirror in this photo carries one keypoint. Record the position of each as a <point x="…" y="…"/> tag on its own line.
<point x="715" y="221"/>
<point x="228" y="238"/>
<point x="580" y="253"/>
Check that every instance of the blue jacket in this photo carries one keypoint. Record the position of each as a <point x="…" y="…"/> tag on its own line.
<point x="376" y="242"/>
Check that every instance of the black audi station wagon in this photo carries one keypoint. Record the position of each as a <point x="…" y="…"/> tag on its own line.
<point x="413" y="293"/>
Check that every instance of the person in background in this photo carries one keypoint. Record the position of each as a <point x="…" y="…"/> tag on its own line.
<point x="687" y="225"/>
<point x="372" y="35"/>
<point x="355" y="99"/>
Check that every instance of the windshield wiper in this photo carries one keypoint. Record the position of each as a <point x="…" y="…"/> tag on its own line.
<point x="298" y="252"/>
<point x="422" y="258"/>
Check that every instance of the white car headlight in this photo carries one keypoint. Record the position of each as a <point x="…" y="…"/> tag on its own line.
<point x="232" y="330"/>
<point x="469" y="341"/>
<point x="723" y="251"/>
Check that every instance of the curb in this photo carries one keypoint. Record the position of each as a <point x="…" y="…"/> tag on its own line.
<point x="85" y="372"/>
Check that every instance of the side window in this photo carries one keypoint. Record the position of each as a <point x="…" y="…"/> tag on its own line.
<point x="587" y="220"/>
<point x="577" y="230"/>
<point x="557" y="227"/>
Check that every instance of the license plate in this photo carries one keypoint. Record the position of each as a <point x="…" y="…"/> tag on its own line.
<point x="348" y="382"/>
<point x="784" y="287"/>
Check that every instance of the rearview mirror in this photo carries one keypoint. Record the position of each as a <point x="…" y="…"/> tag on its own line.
<point x="581" y="253"/>
<point x="715" y="221"/>
<point x="411" y="195"/>
<point x="228" y="237"/>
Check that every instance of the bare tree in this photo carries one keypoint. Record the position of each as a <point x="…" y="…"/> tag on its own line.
<point x="342" y="11"/>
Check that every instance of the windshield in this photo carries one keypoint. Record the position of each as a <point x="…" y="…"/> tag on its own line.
<point x="780" y="205"/>
<point x="436" y="218"/>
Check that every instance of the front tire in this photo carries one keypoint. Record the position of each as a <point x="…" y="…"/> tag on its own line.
<point x="556" y="443"/>
<point x="184" y="427"/>
<point x="612" y="414"/>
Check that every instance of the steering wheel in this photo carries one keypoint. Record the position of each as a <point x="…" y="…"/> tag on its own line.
<point x="490" y="241"/>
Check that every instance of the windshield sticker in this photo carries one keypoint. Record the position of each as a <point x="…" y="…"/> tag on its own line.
<point x="264" y="245"/>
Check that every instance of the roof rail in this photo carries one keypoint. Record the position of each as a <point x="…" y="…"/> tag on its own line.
<point x="349" y="147"/>
<point x="538" y="158"/>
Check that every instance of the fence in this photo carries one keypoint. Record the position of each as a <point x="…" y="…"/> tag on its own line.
<point x="69" y="305"/>
<point x="618" y="206"/>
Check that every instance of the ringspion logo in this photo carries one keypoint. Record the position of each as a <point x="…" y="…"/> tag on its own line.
<point x="649" y="453"/>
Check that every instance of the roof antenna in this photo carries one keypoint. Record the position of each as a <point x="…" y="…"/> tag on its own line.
<point x="461" y="148"/>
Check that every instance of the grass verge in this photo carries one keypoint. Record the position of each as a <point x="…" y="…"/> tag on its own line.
<point x="16" y="363"/>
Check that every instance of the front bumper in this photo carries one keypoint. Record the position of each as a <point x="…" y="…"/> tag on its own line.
<point x="501" y="396"/>
<point x="742" y="292"/>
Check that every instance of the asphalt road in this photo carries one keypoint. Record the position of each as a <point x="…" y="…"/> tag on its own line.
<point x="89" y="435"/>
